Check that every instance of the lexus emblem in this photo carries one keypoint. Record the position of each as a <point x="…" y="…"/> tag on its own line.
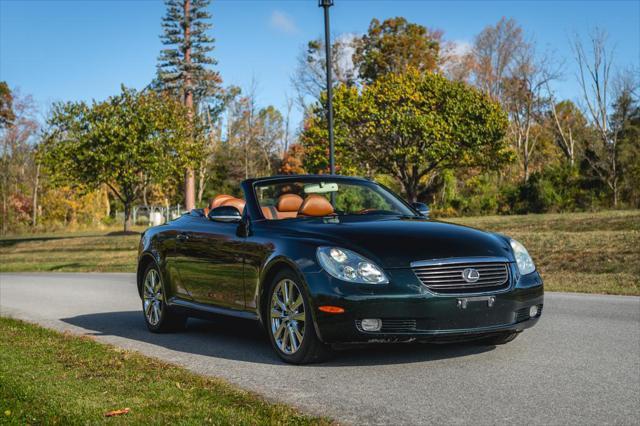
<point x="470" y="275"/>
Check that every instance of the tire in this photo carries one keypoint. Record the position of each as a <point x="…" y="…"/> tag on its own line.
<point x="500" y="339"/>
<point x="157" y="314"/>
<point x="285" y="325"/>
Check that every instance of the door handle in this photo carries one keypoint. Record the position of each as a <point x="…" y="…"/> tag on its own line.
<point x="183" y="236"/>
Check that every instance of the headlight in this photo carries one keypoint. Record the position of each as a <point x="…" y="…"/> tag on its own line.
<point x="349" y="266"/>
<point x="524" y="261"/>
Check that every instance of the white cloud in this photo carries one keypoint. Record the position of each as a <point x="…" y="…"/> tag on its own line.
<point x="461" y="47"/>
<point x="282" y="22"/>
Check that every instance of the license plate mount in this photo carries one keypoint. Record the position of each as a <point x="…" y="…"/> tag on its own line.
<point x="463" y="302"/>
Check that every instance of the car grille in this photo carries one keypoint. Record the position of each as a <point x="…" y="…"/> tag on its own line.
<point x="448" y="277"/>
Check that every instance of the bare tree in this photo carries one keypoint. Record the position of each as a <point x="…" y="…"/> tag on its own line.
<point x="596" y="82"/>
<point x="568" y="125"/>
<point x="524" y="100"/>
<point x="286" y="138"/>
<point x="309" y="78"/>
<point x="495" y="50"/>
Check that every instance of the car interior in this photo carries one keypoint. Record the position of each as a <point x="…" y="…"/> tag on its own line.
<point x="287" y="206"/>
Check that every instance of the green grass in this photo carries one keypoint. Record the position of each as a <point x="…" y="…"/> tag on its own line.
<point x="52" y="378"/>
<point x="69" y="252"/>
<point x="581" y="252"/>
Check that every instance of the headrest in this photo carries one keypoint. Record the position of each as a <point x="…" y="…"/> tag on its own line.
<point x="234" y="202"/>
<point x="217" y="202"/>
<point x="315" y="205"/>
<point x="289" y="203"/>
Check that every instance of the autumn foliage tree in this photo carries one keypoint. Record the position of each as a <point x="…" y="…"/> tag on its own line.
<point x="126" y="142"/>
<point x="411" y="126"/>
<point x="395" y="45"/>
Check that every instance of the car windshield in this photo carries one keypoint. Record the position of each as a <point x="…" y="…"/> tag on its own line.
<point x="317" y="198"/>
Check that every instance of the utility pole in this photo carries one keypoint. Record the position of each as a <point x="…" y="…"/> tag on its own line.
<point x="189" y="179"/>
<point x="326" y="4"/>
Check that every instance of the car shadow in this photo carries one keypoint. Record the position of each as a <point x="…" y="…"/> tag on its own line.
<point x="244" y="340"/>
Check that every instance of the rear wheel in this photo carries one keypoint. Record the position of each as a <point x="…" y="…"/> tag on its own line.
<point x="157" y="314"/>
<point x="500" y="339"/>
<point x="290" y="323"/>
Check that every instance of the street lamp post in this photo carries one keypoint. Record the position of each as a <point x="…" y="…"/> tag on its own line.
<point x="326" y="4"/>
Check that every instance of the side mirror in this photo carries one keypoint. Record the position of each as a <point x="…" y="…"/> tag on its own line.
<point x="225" y="214"/>
<point x="422" y="208"/>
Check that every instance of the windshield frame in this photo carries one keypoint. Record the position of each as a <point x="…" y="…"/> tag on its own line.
<point x="250" y="186"/>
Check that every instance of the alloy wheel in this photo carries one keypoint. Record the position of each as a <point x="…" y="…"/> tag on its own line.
<point x="287" y="316"/>
<point x="152" y="297"/>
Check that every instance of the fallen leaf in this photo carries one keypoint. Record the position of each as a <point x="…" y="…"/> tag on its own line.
<point x="116" y="412"/>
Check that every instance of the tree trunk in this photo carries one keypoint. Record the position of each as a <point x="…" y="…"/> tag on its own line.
<point x="5" y="216"/>
<point x="410" y="190"/>
<point x="127" y="216"/>
<point x="35" y="197"/>
<point x="189" y="180"/>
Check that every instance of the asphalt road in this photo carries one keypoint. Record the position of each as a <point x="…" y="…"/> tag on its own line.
<point x="579" y="365"/>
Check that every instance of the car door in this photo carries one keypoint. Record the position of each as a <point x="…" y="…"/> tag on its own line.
<point x="212" y="264"/>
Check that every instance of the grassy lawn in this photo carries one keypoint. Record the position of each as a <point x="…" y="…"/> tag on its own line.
<point x="52" y="378"/>
<point x="581" y="252"/>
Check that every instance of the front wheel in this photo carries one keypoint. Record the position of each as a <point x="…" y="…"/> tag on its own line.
<point x="157" y="314"/>
<point x="290" y="323"/>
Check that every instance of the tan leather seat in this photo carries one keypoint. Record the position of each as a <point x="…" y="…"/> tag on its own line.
<point x="234" y="202"/>
<point x="288" y="205"/>
<point x="218" y="200"/>
<point x="315" y="205"/>
<point x="269" y="212"/>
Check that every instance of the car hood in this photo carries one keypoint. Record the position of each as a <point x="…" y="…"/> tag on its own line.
<point x="395" y="243"/>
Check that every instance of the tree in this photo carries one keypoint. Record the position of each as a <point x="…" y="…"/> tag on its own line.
<point x="6" y="105"/>
<point x="292" y="164"/>
<point x="185" y="67"/>
<point x="17" y="133"/>
<point x="495" y="49"/>
<point x="125" y="143"/>
<point x="626" y="116"/>
<point x="598" y="91"/>
<point x="395" y="45"/>
<point x="569" y="127"/>
<point x="413" y="126"/>
<point x="522" y="93"/>
<point x="309" y="79"/>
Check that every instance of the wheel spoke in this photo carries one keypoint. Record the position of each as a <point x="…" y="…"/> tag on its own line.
<point x="279" y="330"/>
<point x="292" y="339"/>
<point x="147" y="307"/>
<point x="156" y="311"/>
<point x="297" y="302"/>
<point x="276" y="313"/>
<point x="285" y="341"/>
<point x="285" y="292"/>
<point x="298" y="317"/>
<point x="298" y="335"/>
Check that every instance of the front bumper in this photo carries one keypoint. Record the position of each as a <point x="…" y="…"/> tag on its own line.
<point x="411" y="312"/>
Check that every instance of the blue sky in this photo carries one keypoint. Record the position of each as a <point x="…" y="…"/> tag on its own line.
<point x="82" y="50"/>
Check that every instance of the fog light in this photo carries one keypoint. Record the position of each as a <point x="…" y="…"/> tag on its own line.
<point x="371" y="324"/>
<point x="533" y="311"/>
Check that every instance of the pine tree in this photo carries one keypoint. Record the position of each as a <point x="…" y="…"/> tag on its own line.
<point x="185" y="66"/>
